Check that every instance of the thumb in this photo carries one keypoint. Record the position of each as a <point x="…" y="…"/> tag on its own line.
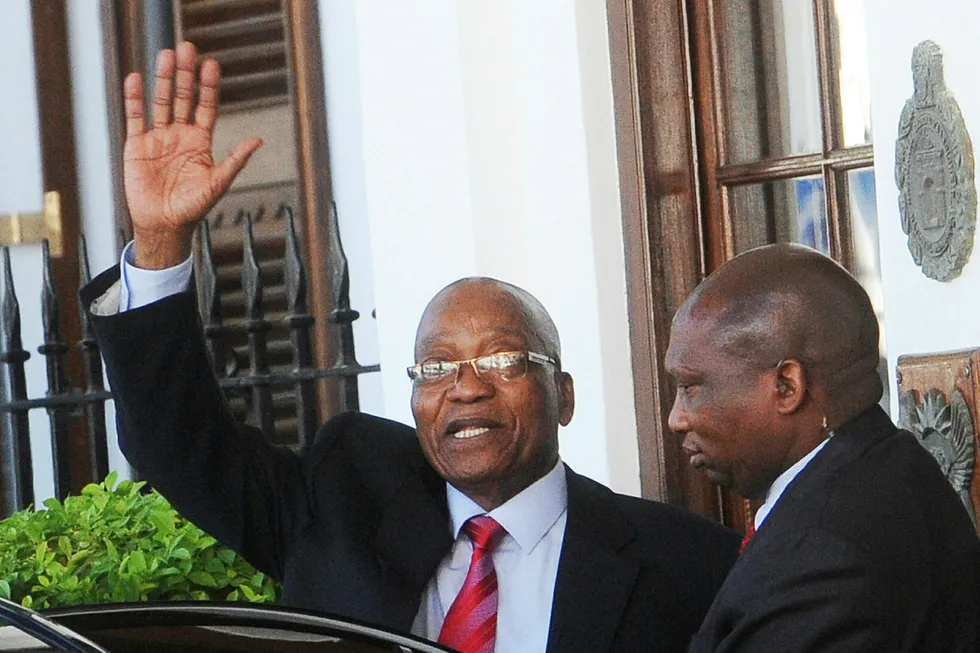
<point x="226" y="171"/>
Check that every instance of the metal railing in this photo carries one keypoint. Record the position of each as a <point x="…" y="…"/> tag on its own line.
<point x="64" y="402"/>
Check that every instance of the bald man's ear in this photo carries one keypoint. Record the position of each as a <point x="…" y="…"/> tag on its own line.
<point x="566" y="398"/>
<point x="791" y="388"/>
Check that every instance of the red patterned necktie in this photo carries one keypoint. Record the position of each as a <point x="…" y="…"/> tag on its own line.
<point x="471" y="623"/>
<point x="749" y="532"/>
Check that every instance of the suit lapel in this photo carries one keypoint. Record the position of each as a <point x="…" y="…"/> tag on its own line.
<point x="413" y="537"/>
<point x="594" y="582"/>
<point x="848" y="443"/>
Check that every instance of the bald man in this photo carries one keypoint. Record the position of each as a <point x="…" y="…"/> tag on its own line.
<point x="467" y="530"/>
<point x="860" y="544"/>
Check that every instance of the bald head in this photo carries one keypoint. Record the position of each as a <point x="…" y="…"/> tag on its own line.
<point x="785" y="301"/>
<point x="518" y="310"/>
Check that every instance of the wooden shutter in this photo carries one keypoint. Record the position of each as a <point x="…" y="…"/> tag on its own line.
<point x="226" y="223"/>
<point x="248" y="39"/>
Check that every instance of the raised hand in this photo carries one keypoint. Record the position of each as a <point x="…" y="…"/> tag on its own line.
<point x="171" y="177"/>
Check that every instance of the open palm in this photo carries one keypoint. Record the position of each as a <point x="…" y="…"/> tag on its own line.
<point x="171" y="178"/>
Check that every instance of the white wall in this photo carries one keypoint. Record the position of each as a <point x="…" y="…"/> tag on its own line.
<point x="92" y="159"/>
<point x="921" y="315"/>
<point x="21" y="189"/>
<point x="477" y="138"/>
<point x="21" y="186"/>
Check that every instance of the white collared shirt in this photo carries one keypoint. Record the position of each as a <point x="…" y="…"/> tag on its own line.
<point x="782" y="482"/>
<point x="526" y="562"/>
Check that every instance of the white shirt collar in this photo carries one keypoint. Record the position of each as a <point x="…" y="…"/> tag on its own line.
<point x="526" y="517"/>
<point x="782" y="482"/>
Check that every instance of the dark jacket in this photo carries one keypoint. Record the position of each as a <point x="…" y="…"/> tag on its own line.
<point x="357" y="525"/>
<point x="869" y="549"/>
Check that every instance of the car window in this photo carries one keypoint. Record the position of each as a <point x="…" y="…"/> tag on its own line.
<point x="160" y="639"/>
<point x="14" y="639"/>
<point x="26" y="629"/>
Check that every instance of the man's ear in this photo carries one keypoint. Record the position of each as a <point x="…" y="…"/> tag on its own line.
<point x="566" y="398"/>
<point x="791" y="386"/>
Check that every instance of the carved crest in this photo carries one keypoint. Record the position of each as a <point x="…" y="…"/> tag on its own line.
<point x="934" y="171"/>
<point x="945" y="429"/>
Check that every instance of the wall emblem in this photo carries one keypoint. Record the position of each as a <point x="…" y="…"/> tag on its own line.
<point x="945" y="429"/>
<point x="934" y="171"/>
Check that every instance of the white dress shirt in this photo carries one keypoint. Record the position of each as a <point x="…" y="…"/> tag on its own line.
<point x="525" y="560"/>
<point x="140" y="287"/>
<point x="782" y="482"/>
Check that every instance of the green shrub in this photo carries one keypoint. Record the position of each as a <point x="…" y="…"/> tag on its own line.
<point x="115" y="543"/>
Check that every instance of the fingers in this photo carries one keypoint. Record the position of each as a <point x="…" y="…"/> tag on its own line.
<point x="207" y="100"/>
<point x="133" y="103"/>
<point x="163" y="88"/>
<point x="186" y="57"/>
<point x="226" y="171"/>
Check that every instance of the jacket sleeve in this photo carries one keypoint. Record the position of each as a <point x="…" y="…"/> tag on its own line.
<point x="176" y="429"/>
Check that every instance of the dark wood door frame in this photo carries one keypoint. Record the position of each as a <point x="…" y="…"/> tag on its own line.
<point x="59" y="172"/>
<point x="650" y="52"/>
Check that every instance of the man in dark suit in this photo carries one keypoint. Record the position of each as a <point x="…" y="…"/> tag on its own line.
<point x="469" y="529"/>
<point x="860" y="542"/>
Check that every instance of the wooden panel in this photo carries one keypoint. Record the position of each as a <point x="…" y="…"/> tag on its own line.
<point x="661" y="222"/>
<point x="938" y="398"/>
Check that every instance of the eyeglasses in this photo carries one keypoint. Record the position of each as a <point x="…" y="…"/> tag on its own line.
<point x="502" y="366"/>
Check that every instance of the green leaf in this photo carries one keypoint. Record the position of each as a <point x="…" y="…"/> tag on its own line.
<point x="202" y="578"/>
<point x="4" y="590"/>
<point x="55" y="569"/>
<point x="100" y="501"/>
<point x="215" y="566"/>
<point x="137" y="562"/>
<point x="163" y="520"/>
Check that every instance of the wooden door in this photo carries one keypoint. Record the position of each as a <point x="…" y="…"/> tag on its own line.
<point x="739" y="124"/>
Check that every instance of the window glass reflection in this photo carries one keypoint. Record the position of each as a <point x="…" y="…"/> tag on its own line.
<point x="852" y="73"/>
<point x="783" y="211"/>
<point x="769" y="78"/>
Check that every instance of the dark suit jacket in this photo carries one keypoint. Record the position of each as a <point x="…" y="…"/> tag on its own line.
<point x="869" y="549"/>
<point x="357" y="524"/>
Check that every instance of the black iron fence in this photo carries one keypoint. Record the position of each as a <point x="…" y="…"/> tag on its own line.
<point x="253" y="385"/>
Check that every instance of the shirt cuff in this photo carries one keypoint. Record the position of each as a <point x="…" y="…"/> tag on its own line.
<point x="140" y="287"/>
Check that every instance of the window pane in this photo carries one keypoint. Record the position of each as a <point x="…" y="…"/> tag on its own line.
<point x="769" y="80"/>
<point x="863" y="211"/>
<point x="855" y="95"/>
<point x="787" y="210"/>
